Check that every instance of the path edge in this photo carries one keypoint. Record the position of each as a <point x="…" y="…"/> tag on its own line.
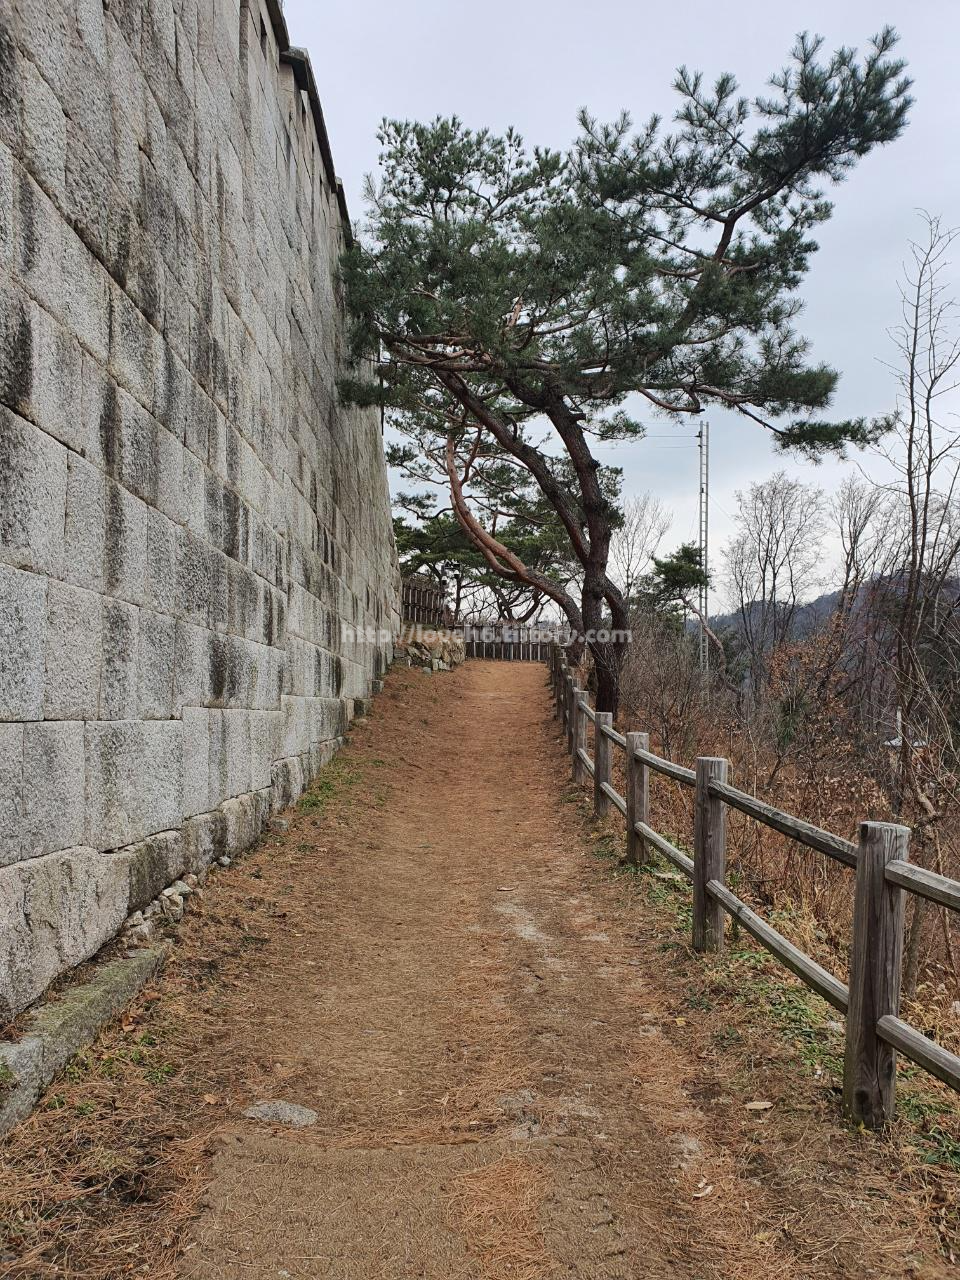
<point x="59" y="1028"/>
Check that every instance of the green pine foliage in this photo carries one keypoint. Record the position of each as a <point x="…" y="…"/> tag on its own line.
<point x="522" y="304"/>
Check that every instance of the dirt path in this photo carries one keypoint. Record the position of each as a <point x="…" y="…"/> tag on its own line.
<point x="436" y="965"/>
<point x="460" y="1020"/>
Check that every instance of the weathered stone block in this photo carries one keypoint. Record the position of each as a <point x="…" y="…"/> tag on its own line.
<point x="153" y="863"/>
<point x="6" y="202"/>
<point x="11" y="792"/>
<point x="191" y="680"/>
<point x="33" y="496"/>
<point x="155" y="665"/>
<point x="287" y="782"/>
<point x="92" y="28"/>
<point x="55" y="912"/>
<point x="119" y="675"/>
<point x="53" y="787"/>
<point x="266" y="733"/>
<point x="23" y="621"/>
<point x="229" y="754"/>
<point x="134" y="348"/>
<point x="133" y="458"/>
<point x="58" y="269"/>
<point x="296" y="737"/>
<point x="74" y="653"/>
<point x="55" y="391"/>
<point x="125" y="544"/>
<point x="195" y="574"/>
<point x="134" y="780"/>
<point x="11" y="89"/>
<point x="44" y="133"/>
<point x="196" y="761"/>
<point x="163" y="537"/>
<point x="91" y="197"/>
<point x="194" y="482"/>
<point x="244" y="822"/>
<point x="204" y="840"/>
<point x="85" y="532"/>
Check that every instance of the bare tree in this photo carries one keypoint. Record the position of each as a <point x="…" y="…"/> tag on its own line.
<point x="920" y="592"/>
<point x="772" y="562"/>
<point x="645" y="524"/>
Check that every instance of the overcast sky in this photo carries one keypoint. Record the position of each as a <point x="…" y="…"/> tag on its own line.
<point x="534" y="64"/>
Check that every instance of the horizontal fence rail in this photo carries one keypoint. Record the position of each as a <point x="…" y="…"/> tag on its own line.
<point x="883" y="875"/>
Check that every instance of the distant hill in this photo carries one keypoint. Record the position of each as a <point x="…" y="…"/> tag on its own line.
<point x="807" y="619"/>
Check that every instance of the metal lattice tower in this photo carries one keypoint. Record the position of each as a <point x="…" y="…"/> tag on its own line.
<point x="703" y="439"/>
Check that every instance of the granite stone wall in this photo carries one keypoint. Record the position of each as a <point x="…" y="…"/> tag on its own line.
<point x="189" y="518"/>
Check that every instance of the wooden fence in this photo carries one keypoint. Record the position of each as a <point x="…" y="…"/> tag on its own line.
<point x="880" y="859"/>
<point x="510" y="642"/>
<point x="422" y="600"/>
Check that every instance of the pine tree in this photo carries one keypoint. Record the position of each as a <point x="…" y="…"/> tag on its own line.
<point x="519" y="303"/>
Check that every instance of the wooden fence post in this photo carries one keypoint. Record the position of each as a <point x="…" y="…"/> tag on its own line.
<point x="569" y="706"/>
<point x="876" y="955"/>
<point x="638" y="798"/>
<point x="578" y="772"/>
<point x="709" y="854"/>
<point x="601" y="762"/>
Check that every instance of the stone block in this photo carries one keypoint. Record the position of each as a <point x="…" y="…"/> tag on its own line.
<point x="296" y="725"/>
<point x="74" y="652"/>
<point x="85" y="290"/>
<point x="155" y="665"/>
<point x="85" y="532"/>
<point x="194" y="484"/>
<point x="23" y="623"/>
<point x="134" y="780"/>
<point x="204" y="840"/>
<point x="191" y="680"/>
<point x="58" y="269"/>
<point x="270" y="672"/>
<point x="266" y="733"/>
<point x="11" y="89"/>
<point x="134" y="348"/>
<point x="229" y="754"/>
<point x="125" y="544"/>
<point x="196" y="760"/>
<point x="163" y="538"/>
<point x="133" y="457"/>
<point x="287" y="782"/>
<point x="201" y="422"/>
<point x="33" y="496"/>
<point x="11" y="792"/>
<point x="244" y="601"/>
<point x="244" y="819"/>
<point x="55" y="912"/>
<point x="170" y="475"/>
<point x="53" y="787"/>
<point x="44" y="133"/>
<point x="6" y="205"/>
<point x="91" y="199"/>
<point x="154" y="863"/>
<point x="92" y="28"/>
<point x="195" y="572"/>
<point x="119" y="684"/>
<point x="55" y="386"/>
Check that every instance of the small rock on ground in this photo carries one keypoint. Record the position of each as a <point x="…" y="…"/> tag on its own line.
<point x="282" y="1113"/>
